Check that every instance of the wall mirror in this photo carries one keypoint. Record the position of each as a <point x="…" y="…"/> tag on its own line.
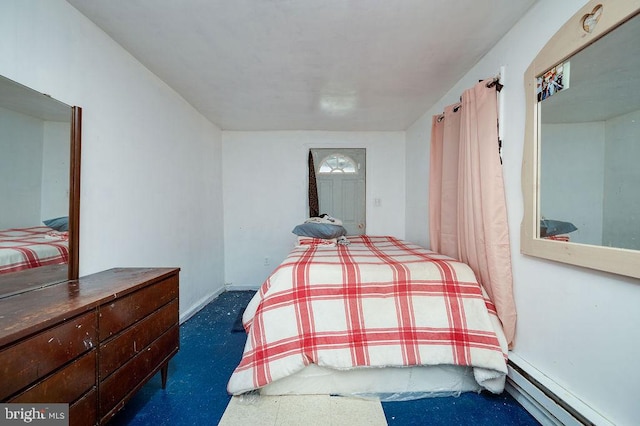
<point x="40" y="166"/>
<point x="580" y="177"/>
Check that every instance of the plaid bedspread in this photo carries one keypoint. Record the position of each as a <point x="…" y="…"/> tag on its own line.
<point x="377" y="302"/>
<point x="24" y="248"/>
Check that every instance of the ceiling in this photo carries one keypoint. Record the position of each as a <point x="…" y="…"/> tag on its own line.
<point x="351" y="65"/>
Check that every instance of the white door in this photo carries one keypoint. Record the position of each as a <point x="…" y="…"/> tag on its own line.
<point x="341" y="178"/>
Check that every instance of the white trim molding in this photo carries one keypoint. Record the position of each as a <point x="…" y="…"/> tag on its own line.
<point x="200" y="305"/>
<point x="544" y="399"/>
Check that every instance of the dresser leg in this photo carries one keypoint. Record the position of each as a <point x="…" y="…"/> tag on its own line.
<point x="163" y="374"/>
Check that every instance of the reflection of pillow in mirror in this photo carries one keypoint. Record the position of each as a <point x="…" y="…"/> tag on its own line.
<point x="319" y="230"/>
<point x="549" y="228"/>
<point x="59" y="223"/>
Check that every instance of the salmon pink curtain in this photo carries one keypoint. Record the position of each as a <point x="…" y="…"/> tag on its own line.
<point x="467" y="207"/>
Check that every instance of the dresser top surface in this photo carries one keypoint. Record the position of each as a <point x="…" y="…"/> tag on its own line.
<point x="26" y="313"/>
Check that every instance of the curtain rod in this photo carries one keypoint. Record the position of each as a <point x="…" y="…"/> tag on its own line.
<point x="495" y="82"/>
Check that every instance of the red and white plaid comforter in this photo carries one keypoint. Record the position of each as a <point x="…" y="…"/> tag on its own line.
<point x="24" y="248"/>
<point x="377" y="302"/>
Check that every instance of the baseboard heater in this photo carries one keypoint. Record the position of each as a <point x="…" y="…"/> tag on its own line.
<point x="557" y="407"/>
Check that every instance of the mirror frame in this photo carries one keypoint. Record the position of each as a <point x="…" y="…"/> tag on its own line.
<point x="570" y="39"/>
<point x="74" y="193"/>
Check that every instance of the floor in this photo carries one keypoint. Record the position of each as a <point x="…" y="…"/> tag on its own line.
<point x="296" y="410"/>
<point x="209" y="351"/>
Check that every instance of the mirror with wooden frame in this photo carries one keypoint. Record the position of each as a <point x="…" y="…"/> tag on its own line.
<point x="580" y="177"/>
<point x="40" y="141"/>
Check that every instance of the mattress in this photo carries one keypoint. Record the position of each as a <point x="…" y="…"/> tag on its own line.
<point x="386" y="384"/>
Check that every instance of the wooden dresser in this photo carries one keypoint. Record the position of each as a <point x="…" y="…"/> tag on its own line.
<point x="91" y="342"/>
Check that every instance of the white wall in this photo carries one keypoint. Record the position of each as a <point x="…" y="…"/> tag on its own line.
<point x="577" y="326"/>
<point x="34" y="169"/>
<point x="417" y="180"/>
<point x="21" y="141"/>
<point x="151" y="165"/>
<point x="55" y="170"/>
<point x="622" y="205"/>
<point x="265" y="193"/>
<point x="572" y="177"/>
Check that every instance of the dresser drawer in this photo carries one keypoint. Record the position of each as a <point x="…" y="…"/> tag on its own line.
<point x="37" y="356"/>
<point x="115" y="316"/>
<point x="117" y="387"/>
<point x="85" y="410"/>
<point x="65" y="385"/>
<point x="124" y="346"/>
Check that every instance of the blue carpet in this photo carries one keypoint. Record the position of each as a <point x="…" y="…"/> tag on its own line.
<point x="210" y="350"/>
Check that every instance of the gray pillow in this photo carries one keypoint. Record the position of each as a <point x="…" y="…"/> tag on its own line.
<point x="319" y="230"/>
<point x="59" y="223"/>
<point x="550" y="228"/>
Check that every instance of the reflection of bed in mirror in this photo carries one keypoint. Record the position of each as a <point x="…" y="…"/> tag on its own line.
<point x="556" y="229"/>
<point x="33" y="247"/>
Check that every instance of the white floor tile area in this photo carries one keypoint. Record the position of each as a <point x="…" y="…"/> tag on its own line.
<point x="308" y="410"/>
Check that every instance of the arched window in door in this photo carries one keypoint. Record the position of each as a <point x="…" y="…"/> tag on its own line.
<point x="338" y="163"/>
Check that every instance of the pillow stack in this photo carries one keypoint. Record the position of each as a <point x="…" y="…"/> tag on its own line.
<point x="323" y="229"/>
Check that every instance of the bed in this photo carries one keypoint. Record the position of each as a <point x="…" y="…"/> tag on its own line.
<point x="26" y="248"/>
<point x="379" y="316"/>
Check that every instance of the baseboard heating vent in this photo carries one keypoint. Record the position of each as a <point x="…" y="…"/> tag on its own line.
<point x="550" y="407"/>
